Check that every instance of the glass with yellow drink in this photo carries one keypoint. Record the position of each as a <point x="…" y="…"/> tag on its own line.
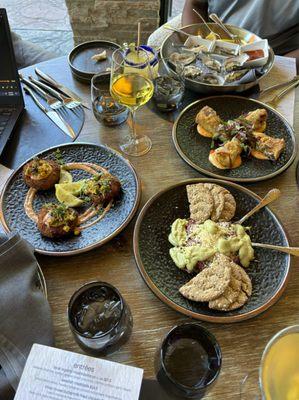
<point x="279" y="370"/>
<point x="131" y="85"/>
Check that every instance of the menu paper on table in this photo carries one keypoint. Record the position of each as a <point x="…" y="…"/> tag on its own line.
<point x="54" y="374"/>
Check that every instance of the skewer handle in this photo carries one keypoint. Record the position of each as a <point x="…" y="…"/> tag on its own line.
<point x="272" y="195"/>
<point x="294" y="251"/>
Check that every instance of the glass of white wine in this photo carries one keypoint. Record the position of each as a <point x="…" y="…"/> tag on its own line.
<point x="131" y="84"/>
<point x="278" y="375"/>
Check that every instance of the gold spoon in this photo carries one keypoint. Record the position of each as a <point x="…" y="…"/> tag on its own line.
<point x="294" y="251"/>
<point x="212" y="33"/>
<point x="272" y="195"/>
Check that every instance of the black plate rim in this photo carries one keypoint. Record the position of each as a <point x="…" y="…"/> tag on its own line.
<point x="232" y="179"/>
<point x="83" y="45"/>
<point x="100" y="242"/>
<point x="156" y="291"/>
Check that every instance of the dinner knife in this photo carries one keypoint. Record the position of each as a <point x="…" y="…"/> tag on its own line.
<point x="65" y="90"/>
<point x="54" y="117"/>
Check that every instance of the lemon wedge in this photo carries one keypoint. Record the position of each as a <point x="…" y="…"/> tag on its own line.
<point x="65" y="176"/>
<point x="66" y="197"/>
<point x="72" y="187"/>
<point x="211" y="36"/>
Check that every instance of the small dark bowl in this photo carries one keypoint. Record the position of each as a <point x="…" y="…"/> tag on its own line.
<point x="83" y="67"/>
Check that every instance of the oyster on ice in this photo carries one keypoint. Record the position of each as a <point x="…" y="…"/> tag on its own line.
<point x="211" y="63"/>
<point x="235" y="75"/>
<point x="197" y="49"/>
<point x="235" y="63"/>
<point x="191" y="71"/>
<point x="210" y="79"/>
<point x="182" y="58"/>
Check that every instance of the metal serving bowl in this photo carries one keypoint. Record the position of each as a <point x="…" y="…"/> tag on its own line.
<point x="200" y="29"/>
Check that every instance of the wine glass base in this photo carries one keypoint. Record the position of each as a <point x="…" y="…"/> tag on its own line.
<point x="137" y="147"/>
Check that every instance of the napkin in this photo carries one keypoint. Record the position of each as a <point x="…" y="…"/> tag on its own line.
<point x="25" y="316"/>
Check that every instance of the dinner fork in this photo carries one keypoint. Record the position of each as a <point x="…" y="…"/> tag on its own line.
<point x="67" y="101"/>
<point x="278" y="86"/>
<point x="273" y="102"/>
<point x="51" y="101"/>
<point x="232" y="36"/>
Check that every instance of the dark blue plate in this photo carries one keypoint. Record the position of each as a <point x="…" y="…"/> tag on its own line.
<point x="12" y="201"/>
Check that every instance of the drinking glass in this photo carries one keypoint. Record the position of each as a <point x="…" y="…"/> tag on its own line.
<point x="169" y="88"/>
<point x="278" y="375"/>
<point x="131" y="85"/>
<point x="188" y="361"/>
<point x="105" y="108"/>
<point x="99" y="318"/>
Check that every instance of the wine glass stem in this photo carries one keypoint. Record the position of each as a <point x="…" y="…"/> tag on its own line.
<point x="133" y="123"/>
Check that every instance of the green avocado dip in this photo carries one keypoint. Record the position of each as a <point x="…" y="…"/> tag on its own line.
<point x="201" y="241"/>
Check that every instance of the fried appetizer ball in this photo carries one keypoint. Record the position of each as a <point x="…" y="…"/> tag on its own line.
<point x="227" y="156"/>
<point x="57" y="220"/>
<point x="258" y="118"/>
<point x="101" y="189"/>
<point x="267" y="147"/>
<point x="207" y="121"/>
<point x="41" y="174"/>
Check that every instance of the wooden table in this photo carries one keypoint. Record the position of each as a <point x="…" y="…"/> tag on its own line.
<point x="242" y="343"/>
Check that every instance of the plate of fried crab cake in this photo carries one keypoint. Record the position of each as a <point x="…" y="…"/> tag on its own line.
<point x="71" y="198"/>
<point x="234" y="138"/>
<point x="197" y="258"/>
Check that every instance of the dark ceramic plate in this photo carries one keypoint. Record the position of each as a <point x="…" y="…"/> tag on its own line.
<point x="269" y="272"/>
<point x="81" y="64"/>
<point x="12" y="201"/>
<point x="194" y="148"/>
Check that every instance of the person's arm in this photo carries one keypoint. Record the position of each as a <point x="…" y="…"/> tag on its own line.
<point x="189" y="16"/>
<point x="294" y="54"/>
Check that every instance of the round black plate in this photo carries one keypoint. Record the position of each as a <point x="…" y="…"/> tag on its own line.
<point x="194" y="148"/>
<point x="12" y="201"/>
<point x="269" y="272"/>
<point x="83" y="67"/>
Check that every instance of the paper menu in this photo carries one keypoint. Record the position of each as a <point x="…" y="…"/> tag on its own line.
<point x="54" y="374"/>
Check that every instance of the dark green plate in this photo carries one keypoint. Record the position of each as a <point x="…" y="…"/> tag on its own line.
<point x="194" y="148"/>
<point x="14" y="219"/>
<point x="269" y="272"/>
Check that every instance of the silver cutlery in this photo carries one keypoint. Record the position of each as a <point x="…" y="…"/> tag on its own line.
<point x="67" y="101"/>
<point x="171" y="28"/>
<point x="278" y="85"/>
<point x="275" y="100"/>
<point x="52" y="102"/>
<point x="56" y="118"/>
<point x="217" y="36"/>
<point x="65" y="90"/>
<point x="232" y="36"/>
